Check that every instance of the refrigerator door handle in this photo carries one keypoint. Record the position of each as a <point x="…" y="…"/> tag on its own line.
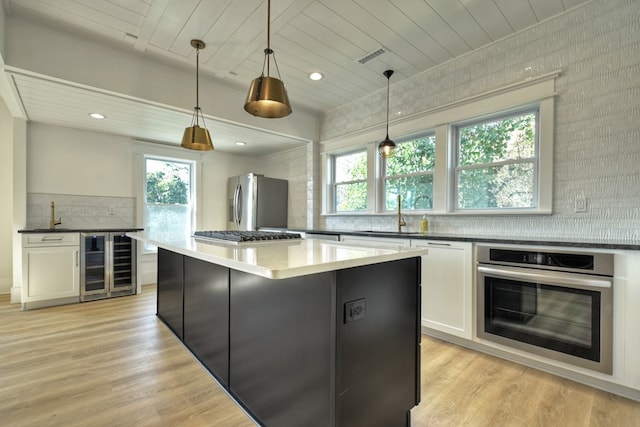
<point x="239" y="206"/>
<point x="236" y="198"/>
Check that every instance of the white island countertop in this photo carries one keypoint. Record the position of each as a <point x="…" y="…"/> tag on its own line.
<point x="280" y="259"/>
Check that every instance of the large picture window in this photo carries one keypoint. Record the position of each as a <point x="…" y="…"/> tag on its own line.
<point x="169" y="197"/>
<point x="409" y="173"/>
<point x="496" y="164"/>
<point x="350" y="182"/>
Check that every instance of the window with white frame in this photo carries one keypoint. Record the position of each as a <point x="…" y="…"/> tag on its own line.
<point x="409" y="173"/>
<point x="349" y="181"/>
<point x="492" y="154"/>
<point x="496" y="163"/>
<point x="169" y="197"/>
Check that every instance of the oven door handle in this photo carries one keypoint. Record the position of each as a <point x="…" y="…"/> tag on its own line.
<point x="548" y="277"/>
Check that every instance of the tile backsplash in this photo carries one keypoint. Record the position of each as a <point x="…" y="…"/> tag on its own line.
<point x="81" y="211"/>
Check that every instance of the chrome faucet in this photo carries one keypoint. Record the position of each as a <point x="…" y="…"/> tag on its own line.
<point x="401" y="222"/>
<point x="53" y="222"/>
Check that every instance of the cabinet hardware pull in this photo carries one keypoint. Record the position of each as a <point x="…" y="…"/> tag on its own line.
<point x="51" y="239"/>
<point x="438" y="244"/>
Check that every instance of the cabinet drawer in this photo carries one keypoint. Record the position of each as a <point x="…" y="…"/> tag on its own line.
<point x="50" y="239"/>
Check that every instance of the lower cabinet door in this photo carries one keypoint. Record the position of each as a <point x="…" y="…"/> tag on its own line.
<point x="170" y="286"/>
<point x="206" y="315"/>
<point x="447" y="287"/>
<point x="51" y="272"/>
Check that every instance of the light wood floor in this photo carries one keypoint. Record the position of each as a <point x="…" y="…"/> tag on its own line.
<point x="113" y="363"/>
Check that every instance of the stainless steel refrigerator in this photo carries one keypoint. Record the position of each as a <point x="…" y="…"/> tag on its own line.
<point x="256" y="201"/>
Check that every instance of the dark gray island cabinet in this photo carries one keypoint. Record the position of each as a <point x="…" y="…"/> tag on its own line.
<point x="339" y="347"/>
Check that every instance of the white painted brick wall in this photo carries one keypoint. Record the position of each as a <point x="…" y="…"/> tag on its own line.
<point x="597" y="141"/>
<point x="291" y="165"/>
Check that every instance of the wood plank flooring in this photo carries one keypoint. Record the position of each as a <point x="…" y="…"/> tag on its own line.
<point x="113" y="363"/>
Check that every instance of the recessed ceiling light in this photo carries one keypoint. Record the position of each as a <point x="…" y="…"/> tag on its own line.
<point x="315" y="76"/>
<point x="97" y="115"/>
<point x="241" y="143"/>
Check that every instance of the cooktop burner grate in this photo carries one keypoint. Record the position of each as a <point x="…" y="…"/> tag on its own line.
<point x="246" y="236"/>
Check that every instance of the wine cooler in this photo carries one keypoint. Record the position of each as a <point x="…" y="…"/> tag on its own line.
<point x="107" y="265"/>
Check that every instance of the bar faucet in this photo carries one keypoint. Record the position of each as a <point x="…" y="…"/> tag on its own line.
<point x="53" y="222"/>
<point x="401" y="222"/>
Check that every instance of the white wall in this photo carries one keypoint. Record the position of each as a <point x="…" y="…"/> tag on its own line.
<point x="597" y="130"/>
<point x="72" y="161"/>
<point x="78" y="162"/>
<point x="6" y="192"/>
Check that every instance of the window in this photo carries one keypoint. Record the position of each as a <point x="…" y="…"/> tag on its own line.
<point x="496" y="164"/>
<point x="169" y="197"/>
<point x="490" y="154"/>
<point x="409" y="173"/>
<point x="349" y="182"/>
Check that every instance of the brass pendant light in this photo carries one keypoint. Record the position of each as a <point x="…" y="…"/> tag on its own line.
<point x="386" y="147"/>
<point x="267" y="95"/>
<point x="196" y="137"/>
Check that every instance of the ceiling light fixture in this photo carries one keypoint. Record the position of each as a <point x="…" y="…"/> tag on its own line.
<point x="196" y="137"/>
<point x="241" y="143"/>
<point x="97" y="115"/>
<point x="386" y="147"/>
<point x="267" y="95"/>
<point x="316" y="76"/>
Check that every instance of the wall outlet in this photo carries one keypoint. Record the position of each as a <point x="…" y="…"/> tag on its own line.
<point x="580" y="204"/>
<point x="355" y="310"/>
<point x="112" y="210"/>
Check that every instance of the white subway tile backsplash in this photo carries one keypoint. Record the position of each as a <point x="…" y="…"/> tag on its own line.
<point x="77" y="211"/>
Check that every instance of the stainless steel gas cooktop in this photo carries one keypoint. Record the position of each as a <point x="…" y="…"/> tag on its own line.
<point x="231" y="236"/>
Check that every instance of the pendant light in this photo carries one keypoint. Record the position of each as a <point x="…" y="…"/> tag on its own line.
<point x="386" y="147"/>
<point x="267" y="95"/>
<point x="196" y="137"/>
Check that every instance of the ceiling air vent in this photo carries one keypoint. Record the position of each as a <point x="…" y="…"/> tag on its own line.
<point x="371" y="55"/>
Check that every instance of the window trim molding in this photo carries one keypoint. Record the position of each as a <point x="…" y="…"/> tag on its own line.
<point x="537" y="163"/>
<point x="141" y="151"/>
<point x="329" y="174"/>
<point x="540" y="91"/>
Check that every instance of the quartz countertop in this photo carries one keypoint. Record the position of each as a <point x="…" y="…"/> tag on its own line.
<point x="78" y="230"/>
<point x="279" y="259"/>
<point x="632" y="245"/>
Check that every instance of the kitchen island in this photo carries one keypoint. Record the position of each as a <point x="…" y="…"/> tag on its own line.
<point x="299" y="332"/>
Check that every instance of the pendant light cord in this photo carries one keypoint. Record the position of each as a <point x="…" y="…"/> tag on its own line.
<point x="268" y="51"/>
<point x="197" y="78"/>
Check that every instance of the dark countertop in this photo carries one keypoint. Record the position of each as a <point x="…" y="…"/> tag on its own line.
<point x="632" y="245"/>
<point x="78" y="230"/>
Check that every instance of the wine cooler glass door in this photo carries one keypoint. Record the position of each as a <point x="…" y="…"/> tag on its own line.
<point x="94" y="266"/>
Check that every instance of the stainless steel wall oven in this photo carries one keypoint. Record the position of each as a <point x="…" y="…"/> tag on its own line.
<point x="557" y="304"/>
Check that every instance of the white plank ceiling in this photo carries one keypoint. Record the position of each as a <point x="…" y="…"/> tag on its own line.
<point x="328" y="36"/>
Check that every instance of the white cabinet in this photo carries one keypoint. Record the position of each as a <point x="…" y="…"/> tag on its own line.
<point x="626" y="308"/>
<point x="50" y="269"/>
<point x="376" y="242"/>
<point x="447" y="286"/>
